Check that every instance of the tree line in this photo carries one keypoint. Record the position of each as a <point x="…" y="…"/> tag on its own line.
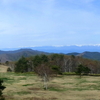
<point x="59" y="63"/>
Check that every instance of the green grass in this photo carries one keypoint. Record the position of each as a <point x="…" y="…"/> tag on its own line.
<point x="12" y="93"/>
<point x="24" y="85"/>
<point x="8" y="80"/>
<point x="22" y="78"/>
<point x="23" y="93"/>
<point x="69" y="73"/>
<point x="67" y="83"/>
<point x="56" y="89"/>
<point x="27" y="85"/>
<point x="81" y="81"/>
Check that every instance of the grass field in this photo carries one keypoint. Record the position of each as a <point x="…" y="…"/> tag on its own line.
<point x="28" y="86"/>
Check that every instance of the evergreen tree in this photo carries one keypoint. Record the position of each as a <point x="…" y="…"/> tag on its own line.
<point x="37" y="60"/>
<point x="56" y="69"/>
<point x="1" y="89"/>
<point x="22" y="65"/>
<point x="44" y="58"/>
<point x="82" y="69"/>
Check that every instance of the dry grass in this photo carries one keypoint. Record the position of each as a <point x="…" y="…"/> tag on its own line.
<point x="3" y="68"/>
<point x="29" y="87"/>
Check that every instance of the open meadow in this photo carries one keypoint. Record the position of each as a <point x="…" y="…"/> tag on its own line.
<point x="28" y="86"/>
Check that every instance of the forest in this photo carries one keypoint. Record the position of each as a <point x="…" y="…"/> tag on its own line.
<point x="59" y="63"/>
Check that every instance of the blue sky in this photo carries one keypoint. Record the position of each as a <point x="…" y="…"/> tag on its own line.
<point x="25" y="23"/>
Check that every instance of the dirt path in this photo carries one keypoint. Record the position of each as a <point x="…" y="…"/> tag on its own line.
<point x="3" y="68"/>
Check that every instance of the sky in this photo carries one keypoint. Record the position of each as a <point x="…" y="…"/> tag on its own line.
<point x="29" y="23"/>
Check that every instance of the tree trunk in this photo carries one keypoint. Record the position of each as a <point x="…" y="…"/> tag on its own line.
<point x="45" y="82"/>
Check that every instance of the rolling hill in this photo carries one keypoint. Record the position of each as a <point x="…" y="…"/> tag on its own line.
<point x="88" y="55"/>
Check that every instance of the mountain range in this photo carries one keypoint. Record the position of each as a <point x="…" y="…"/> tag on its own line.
<point x="88" y="55"/>
<point x="17" y="54"/>
<point x="62" y="49"/>
<point x="12" y="54"/>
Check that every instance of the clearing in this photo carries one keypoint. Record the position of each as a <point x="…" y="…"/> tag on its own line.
<point x="28" y="86"/>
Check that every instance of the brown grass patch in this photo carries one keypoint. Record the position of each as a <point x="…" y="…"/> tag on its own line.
<point x="29" y="87"/>
<point x="35" y="98"/>
<point x="3" y="68"/>
<point x="35" y="89"/>
<point x="8" y="97"/>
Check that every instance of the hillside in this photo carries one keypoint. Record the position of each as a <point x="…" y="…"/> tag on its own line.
<point x="15" y="55"/>
<point x="88" y="55"/>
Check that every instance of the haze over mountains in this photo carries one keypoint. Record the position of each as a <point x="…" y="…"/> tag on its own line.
<point x="68" y="49"/>
<point x="13" y="54"/>
<point x="62" y="49"/>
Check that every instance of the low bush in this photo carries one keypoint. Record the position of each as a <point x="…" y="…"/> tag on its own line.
<point x="69" y="73"/>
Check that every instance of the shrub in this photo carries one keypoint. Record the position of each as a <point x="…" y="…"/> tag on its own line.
<point x="9" y="69"/>
<point x="1" y="89"/>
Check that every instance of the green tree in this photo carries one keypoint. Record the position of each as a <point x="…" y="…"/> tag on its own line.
<point x="44" y="58"/>
<point x="57" y="60"/>
<point x="82" y="70"/>
<point x="40" y="59"/>
<point x="86" y="70"/>
<point x="7" y="63"/>
<point x="22" y="65"/>
<point x="56" y="69"/>
<point x="9" y="69"/>
<point x="37" y="60"/>
<point x="1" y="89"/>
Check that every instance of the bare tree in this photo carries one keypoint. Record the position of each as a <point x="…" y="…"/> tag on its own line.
<point x="69" y="64"/>
<point x="45" y="72"/>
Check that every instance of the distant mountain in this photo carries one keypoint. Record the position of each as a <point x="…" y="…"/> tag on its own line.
<point x="88" y="55"/>
<point x="74" y="53"/>
<point x="68" y="49"/>
<point x="15" y="55"/>
<point x="12" y="54"/>
<point x="64" y="49"/>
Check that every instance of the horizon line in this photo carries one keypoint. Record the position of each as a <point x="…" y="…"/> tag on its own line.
<point x="78" y="45"/>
